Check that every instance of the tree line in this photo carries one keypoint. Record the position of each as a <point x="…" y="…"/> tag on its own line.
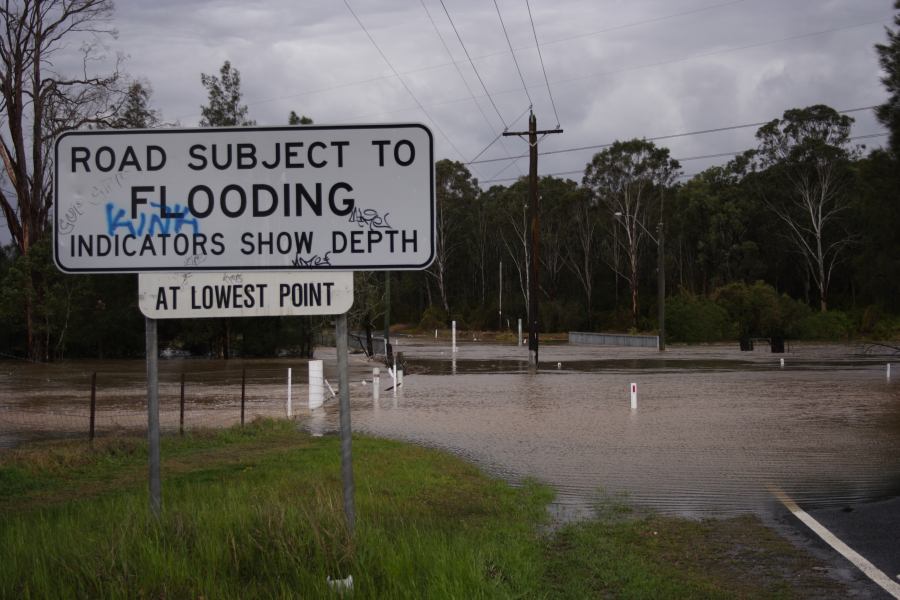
<point x="796" y="237"/>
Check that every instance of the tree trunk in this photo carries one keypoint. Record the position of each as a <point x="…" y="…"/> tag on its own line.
<point x="633" y="283"/>
<point x="367" y="321"/>
<point x="226" y="339"/>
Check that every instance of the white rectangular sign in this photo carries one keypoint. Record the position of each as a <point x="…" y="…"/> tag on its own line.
<point x="240" y="199"/>
<point x="255" y="294"/>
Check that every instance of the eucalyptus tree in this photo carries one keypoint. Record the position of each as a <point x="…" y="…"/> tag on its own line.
<point x="455" y="194"/>
<point x="295" y="119"/>
<point x="875" y="263"/>
<point x="716" y="229"/>
<point x="556" y="205"/>
<point x="510" y="210"/>
<point x="224" y="108"/>
<point x="37" y="103"/>
<point x="807" y="155"/>
<point x="889" y="59"/>
<point x="628" y="179"/>
<point x="482" y="246"/>
<point x="135" y="112"/>
<point x="582" y="244"/>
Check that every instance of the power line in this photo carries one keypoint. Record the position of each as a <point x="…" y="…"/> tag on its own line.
<point x="472" y="63"/>
<point x="494" y="176"/>
<point x="409" y="91"/>
<point x="541" y="57"/>
<point x="706" y="54"/>
<point x="683" y="159"/>
<point x="564" y="39"/>
<point x="500" y="135"/>
<point x="489" y="55"/>
<point x="513" y="53"/>
<point x="643" y="22"/>
<point x="869" y="135"/>
<point x="466" y="83"/>
<point x="722" y="51"/>
<point x="662" y="137"/>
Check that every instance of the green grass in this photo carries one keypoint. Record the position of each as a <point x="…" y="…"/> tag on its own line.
<point x="257" y="512"/>
<point x="656" y="557"/>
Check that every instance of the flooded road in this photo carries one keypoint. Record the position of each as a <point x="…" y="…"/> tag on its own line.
<point x="713" y="427"/>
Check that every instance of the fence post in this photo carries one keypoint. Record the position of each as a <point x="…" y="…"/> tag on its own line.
<point x="93" y="404"/>
<point x="243" y="389"/>
<point x="289" y="407"/>
<point x="181" y="408"/>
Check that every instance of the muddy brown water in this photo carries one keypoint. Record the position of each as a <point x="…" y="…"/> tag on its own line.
<point x="714" y="427"/>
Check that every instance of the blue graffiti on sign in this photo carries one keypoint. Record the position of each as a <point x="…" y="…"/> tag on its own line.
<point x="175" y="218"/>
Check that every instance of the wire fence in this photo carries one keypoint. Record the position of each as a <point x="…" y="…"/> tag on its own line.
<point x="55" y="401"/>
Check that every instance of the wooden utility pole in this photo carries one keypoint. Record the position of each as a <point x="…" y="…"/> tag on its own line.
<point x="534" y="216"/>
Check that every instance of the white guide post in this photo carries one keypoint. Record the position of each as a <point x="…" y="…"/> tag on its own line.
<point x="316" y="383"/>
<point x="290" y="412"/>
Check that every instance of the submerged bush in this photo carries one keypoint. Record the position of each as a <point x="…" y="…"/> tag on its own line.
<point x="695" y="319"/>
<point x="831" y="326"/>
<point x="759" y="311"/>
<point x="434" y="317"/>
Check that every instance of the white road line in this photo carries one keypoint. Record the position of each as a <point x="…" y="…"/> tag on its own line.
<point x="873" y="573"/>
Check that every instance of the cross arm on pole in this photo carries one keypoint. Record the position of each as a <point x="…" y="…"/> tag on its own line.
<point x="541" y="132"/>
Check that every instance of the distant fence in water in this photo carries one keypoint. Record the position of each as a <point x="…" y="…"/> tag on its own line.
<point x="71" y="401"/>
<point x="613" y="339"/>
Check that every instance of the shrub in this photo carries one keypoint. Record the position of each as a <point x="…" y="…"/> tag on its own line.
<point x="695" y="319"/>
<point x="563" y="316"/>
<point x="759" y="311"/>
<point x="832" y="326"/>
<point x="887" y="328"/>
<point x="434" y="317"/>
<point x="482" y="316"/>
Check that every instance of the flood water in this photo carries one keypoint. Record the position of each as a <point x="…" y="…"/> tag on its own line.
<point x="713" y="429"/>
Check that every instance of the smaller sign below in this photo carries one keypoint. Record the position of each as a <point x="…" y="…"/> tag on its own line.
<point x="254" y="294"/>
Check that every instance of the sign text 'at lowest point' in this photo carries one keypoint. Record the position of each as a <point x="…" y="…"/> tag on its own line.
<point x="253" y="294"/>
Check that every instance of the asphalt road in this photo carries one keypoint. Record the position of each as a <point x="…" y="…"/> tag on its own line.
<point x="872" y="529"/>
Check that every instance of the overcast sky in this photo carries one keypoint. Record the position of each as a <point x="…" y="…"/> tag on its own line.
<point x="617" y="69"/>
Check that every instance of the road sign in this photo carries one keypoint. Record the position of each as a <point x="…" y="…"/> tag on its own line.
<point x="254" y="294"/>
<point x="242" y="199"/>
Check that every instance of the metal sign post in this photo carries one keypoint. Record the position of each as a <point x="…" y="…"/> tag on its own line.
<point x="340" y="333"/>
<point x="153" y="417"/>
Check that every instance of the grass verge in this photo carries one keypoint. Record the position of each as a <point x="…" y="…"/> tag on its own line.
<point x="257" y="512"/>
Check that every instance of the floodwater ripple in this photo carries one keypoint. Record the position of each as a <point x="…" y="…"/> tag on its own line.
<point x="713" y="428"/>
